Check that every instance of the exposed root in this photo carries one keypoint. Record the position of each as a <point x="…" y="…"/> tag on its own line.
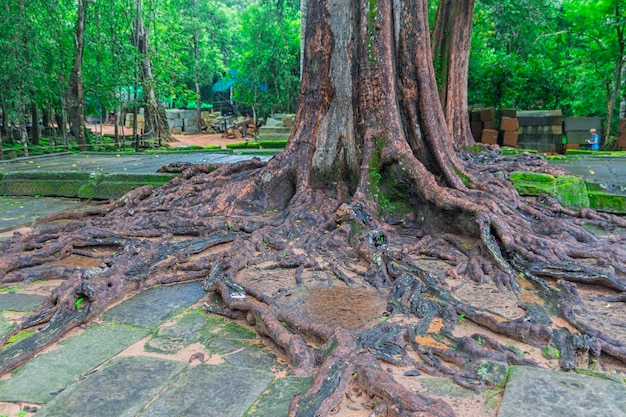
<point x="421" y="266"/>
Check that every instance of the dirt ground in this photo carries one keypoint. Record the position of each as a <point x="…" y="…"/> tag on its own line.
<point x="179" y="140"/>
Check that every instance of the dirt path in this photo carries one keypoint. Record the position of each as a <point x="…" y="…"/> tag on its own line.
<point x="180" y="140"/>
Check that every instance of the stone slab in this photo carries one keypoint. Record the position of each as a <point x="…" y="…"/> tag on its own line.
<point x="196" y="326"/>
<point x="253" y="356"/>
<point x="155" y="305"/>
<point x="121" y="389"/>
<point x="610" y="171"/>
<point x="582" y="123"/>
<point x="211" y="391"/>
<point x="5" y="325"/>
<point x="18" y="211"/>
<point x="40" y="379"/>
<point x="276" y="399"/>
<point x="89" y="162"/>
<point x="20" y="302"/>
<point x="532" y="392"/>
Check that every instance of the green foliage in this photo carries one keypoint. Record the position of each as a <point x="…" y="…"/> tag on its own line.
<point x="548" y="54"/>
<point x="267" y="58"/>
<point x="526" y="54"/>
<point x="238" y="145"/>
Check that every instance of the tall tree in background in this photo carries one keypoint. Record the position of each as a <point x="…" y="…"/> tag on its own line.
<point x="519" y="55"/>
<point x="368" y="186"/>
<point x="75" y="99"/>
<point x="207" y="28"/>
<point x="155" y="123"/>
<point x="451" y="49"/>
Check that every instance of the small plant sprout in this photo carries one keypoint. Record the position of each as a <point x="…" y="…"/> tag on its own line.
<point x="461" y="318"/>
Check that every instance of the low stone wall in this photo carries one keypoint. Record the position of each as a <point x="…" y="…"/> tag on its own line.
<point x="77" y="185"/>
<point x="541" y="130"/>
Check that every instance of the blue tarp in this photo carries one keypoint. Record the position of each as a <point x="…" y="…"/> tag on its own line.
<point x="222" y="85"/>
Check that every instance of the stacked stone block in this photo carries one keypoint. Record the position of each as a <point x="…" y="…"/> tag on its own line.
<point x="577" y="130"/>
<point x="541" y="130"/>
<point x="509" y="125"/>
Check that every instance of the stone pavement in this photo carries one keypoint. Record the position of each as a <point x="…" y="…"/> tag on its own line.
<point x="159" y="354"/>
<point x="141" y="168"/>
<point x="222" y="370"/>
<point x="135" y="163"/>
<point x="607" y="170"/>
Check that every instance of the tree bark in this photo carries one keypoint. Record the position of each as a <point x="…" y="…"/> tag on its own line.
<point x="75" y="99"/>
<point x="197" y="84"/>
<point x="35" y="131"/>
<point x="451" y="45"/>
<point x="154" y="114"/>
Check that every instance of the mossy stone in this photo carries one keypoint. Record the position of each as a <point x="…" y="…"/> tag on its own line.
<point x="611" y="203"/>
<point x="528" y="176"/>
<point x="571" y="192"/>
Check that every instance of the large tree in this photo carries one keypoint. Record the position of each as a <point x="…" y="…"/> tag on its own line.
<point x="155" y="123"/>
<point x="368" y="200"/>
<point x="75" y="96"/>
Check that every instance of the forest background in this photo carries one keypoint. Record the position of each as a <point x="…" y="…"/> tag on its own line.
<point x="525" y="54"/>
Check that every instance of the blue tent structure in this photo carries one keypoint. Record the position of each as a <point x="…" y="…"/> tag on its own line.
<point x="223" y="85"/>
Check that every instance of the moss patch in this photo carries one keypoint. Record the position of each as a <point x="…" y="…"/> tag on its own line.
<point x="569" y="190"/>
<point x="73" y="184"/>
<point x="273" y="144"/>
<point x="611" y="203"/>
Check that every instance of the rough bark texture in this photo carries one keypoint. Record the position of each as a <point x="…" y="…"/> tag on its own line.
<point x="368" y="197"/>
<point x="75" y="99"/>
<point x="451" y="45"/>
<point x="154" y="115"/>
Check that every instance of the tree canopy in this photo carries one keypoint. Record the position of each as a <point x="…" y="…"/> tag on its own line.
<point x="534" y="54"/>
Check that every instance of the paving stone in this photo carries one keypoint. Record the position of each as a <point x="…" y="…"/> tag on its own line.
<point x="445" y="386"/>
<point x="196" y="326"/>
<point x="155" y="305"/>
<point x="121" y="389"/>
<point x="20" y="302"/>
<point x="89" y="162"/>
<point x="40" y="379"/>
<point x="16" y="211"/>
<point x="276" y="399"/>
<point x="211" y="391"/>
<point x="532" y="392"/>
<point x="253" y="356"/>
<point x="5" y="325"/>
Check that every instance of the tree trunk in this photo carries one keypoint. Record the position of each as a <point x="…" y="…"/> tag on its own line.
<point x="154" y="114"/>
<point x="4" y="121"/>
<point x="35" y="131"/>
<point x="368" y="195"/>
<point x="197" y="76"/>
<point x="75" y="99"/>
<point x="451" y="46"/>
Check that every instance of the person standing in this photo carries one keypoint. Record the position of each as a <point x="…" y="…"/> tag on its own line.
<point x="593" y="141"/>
